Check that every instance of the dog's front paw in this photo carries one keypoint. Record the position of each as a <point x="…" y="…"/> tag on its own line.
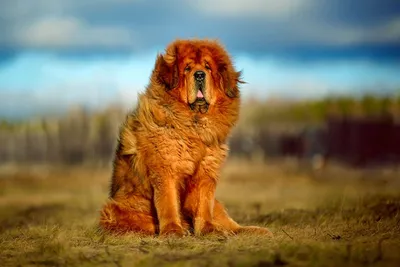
<point x="208" y="228"/>
<point x="173" y="229"/>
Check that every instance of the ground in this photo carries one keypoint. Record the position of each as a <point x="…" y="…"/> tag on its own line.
<point x="332" y="217"/>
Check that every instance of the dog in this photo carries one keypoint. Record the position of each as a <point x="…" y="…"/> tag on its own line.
<point x="171" y="147"/>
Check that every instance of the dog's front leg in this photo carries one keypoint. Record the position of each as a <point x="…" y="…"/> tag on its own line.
<point x="200" y="204"/>
<point x="200" y="197"/>
<point x="167" y="206"/>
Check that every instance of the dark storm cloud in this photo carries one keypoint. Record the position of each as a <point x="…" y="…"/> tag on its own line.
<point x="357" y="12"/>
<point x="305" y="29"/>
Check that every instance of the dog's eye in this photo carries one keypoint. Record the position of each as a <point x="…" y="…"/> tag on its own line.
<point x="187" y="68"/>
<point x="208" y="66"/>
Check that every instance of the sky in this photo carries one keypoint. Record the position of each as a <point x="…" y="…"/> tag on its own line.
<point x="55" y="53"/>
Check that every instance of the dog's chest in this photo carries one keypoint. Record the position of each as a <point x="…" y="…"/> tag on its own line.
<point x="188" y="152"/>
<point x="180" y="148"/>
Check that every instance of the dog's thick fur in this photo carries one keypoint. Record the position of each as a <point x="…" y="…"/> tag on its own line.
<point x="172" y="146"/>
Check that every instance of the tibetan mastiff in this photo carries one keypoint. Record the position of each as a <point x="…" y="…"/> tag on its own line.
<point x="172" y="146"/>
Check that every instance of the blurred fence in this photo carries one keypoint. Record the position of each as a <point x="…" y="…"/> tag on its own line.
<point x="364" y="141"/>
<point x="354" y="141"/>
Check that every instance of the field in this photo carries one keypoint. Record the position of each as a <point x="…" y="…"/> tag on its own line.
<point x="331" y="217"/>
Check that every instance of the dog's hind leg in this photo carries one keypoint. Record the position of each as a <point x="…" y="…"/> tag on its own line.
<point x="133" y="214"/>
<point x="223" y="220"/>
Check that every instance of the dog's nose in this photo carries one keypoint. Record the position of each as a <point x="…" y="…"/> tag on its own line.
<point x="199" y="75"/>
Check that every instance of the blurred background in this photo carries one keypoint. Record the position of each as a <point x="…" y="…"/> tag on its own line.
<point x="323" y="77"/>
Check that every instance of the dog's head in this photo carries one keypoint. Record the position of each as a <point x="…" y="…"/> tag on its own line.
<point x="198" y="73"/>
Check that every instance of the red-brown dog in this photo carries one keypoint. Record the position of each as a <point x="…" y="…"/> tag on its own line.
<point x="171" y="147"/>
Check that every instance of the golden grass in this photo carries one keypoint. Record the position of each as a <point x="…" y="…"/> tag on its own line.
<point x="48" y="217"/>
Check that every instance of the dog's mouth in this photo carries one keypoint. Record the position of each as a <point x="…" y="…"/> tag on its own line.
<point x="200" y="96"/>
<point x="200" y="104"/>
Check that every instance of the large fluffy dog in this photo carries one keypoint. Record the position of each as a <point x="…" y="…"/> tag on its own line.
<point x="172" y="146"/>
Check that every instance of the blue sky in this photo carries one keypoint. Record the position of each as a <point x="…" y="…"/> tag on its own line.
<point x="56" y="53"/>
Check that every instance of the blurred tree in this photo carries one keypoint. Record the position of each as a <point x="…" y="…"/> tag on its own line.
<point x="346" y="106"/>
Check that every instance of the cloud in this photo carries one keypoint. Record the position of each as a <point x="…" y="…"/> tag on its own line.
<point x="332" y="35"/>
<point x="388" y="32"/>
<point x="293" y="28"/>
<point x="249" y="8"/>
<point x="70" y="32"/>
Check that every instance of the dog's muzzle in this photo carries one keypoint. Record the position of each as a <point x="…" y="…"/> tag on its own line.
<point x="199" y="78"/>
<point x="200" y="104"/>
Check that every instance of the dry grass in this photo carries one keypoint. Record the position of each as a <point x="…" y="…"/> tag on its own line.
<point x="336" y="217"/>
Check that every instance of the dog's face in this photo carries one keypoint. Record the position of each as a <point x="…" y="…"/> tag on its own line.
<point x="198" y="73"/>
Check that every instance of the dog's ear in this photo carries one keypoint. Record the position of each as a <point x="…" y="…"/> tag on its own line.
<point x="166" y="69"/>
<point x="230" y="80"/>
